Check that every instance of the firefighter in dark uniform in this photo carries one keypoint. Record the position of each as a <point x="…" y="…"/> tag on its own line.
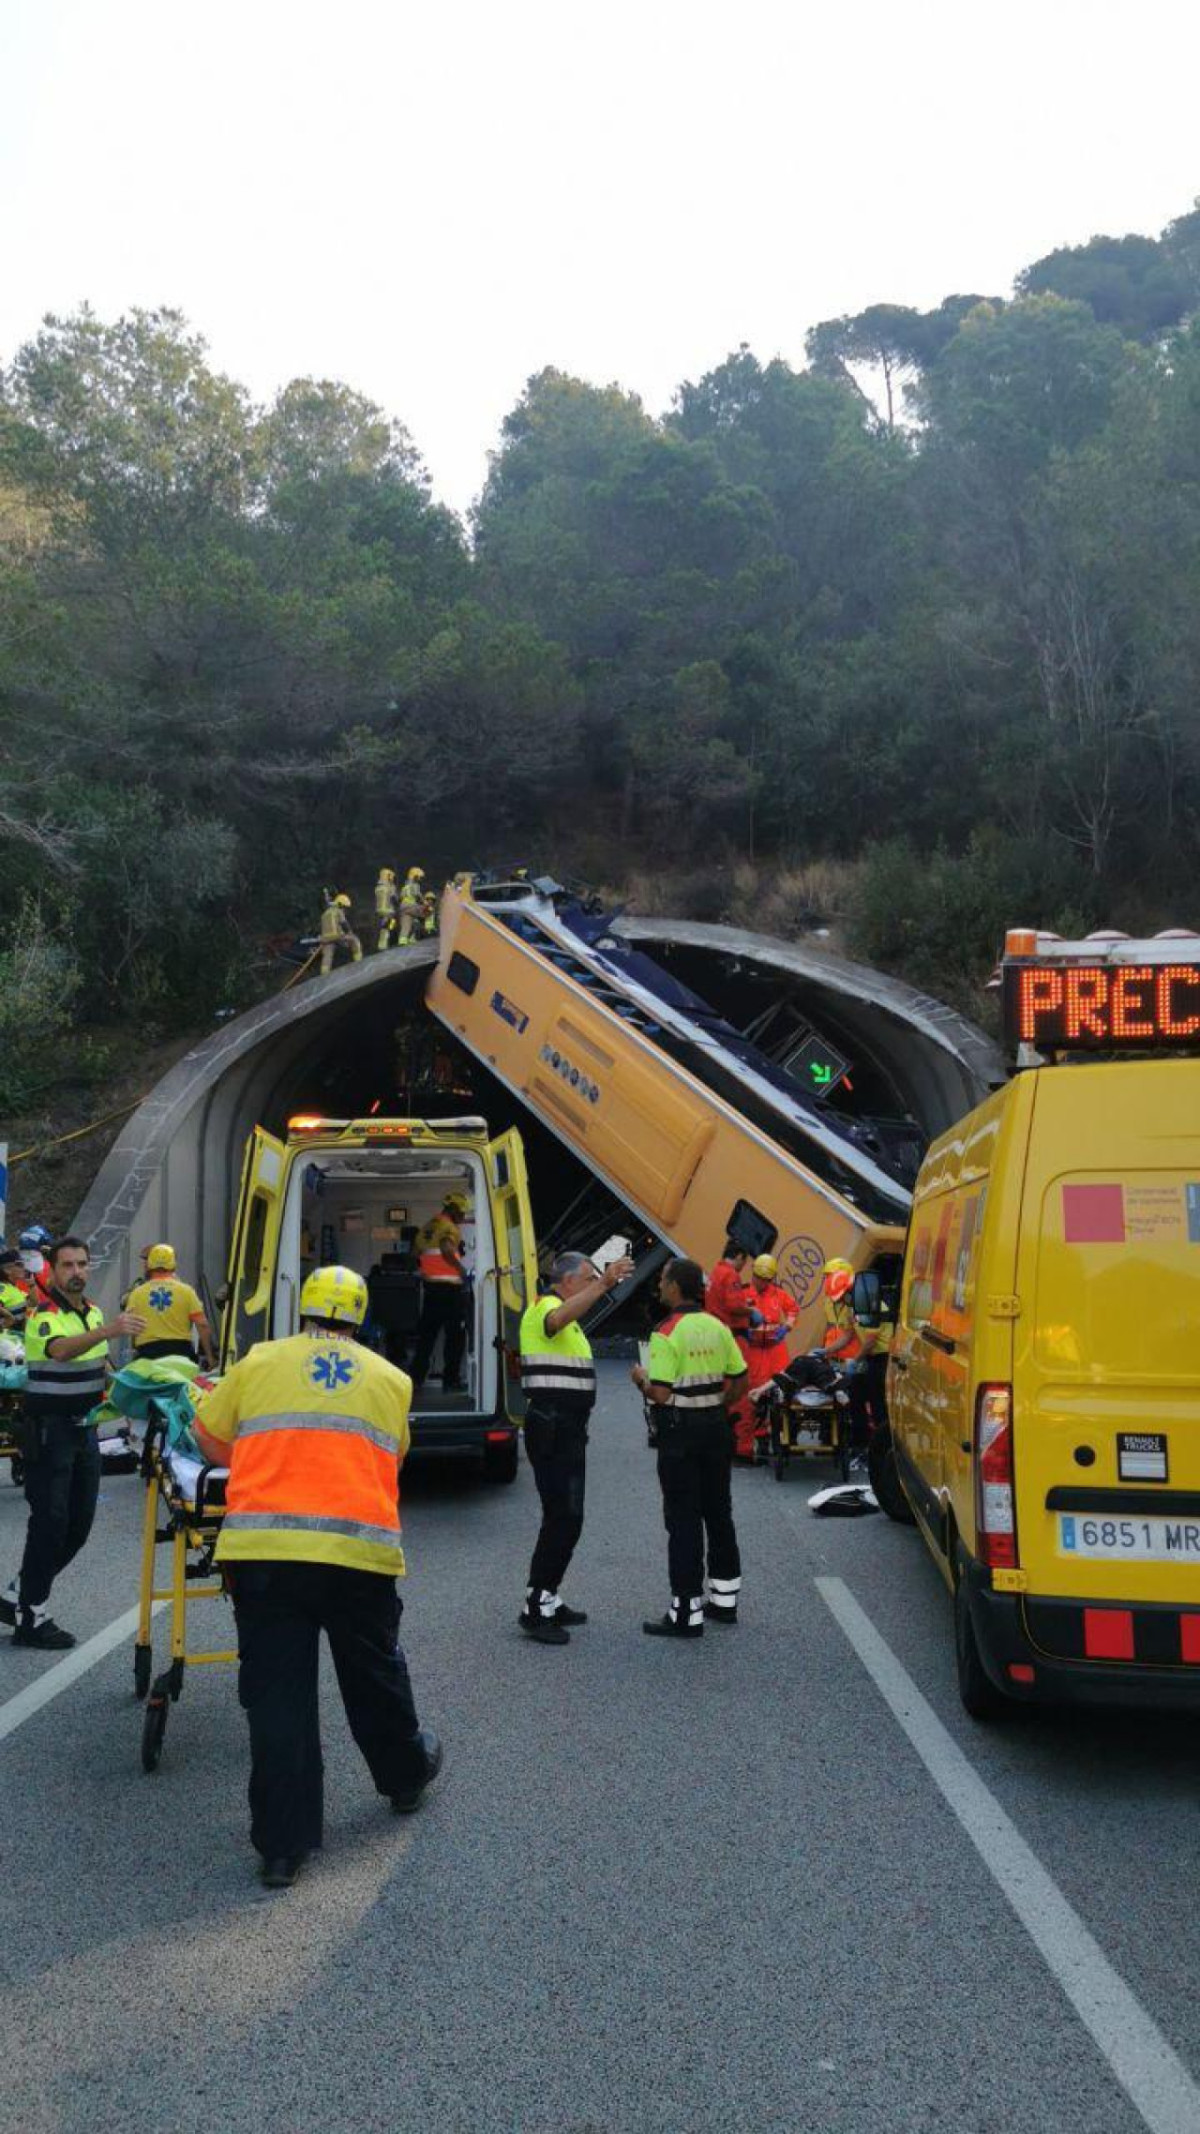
<point x="559" y="1378"/>
<point x="696" y="1370"/>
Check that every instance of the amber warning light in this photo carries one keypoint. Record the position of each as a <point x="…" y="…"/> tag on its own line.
<point x="1095" y="1007"/>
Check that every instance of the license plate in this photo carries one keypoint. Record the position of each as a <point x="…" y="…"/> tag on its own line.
<point x="1129" y="1540"/>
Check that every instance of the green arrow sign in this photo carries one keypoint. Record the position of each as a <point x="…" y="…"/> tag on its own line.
<point x="822" y="1065"/>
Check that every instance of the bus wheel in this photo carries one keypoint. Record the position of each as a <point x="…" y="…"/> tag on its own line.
<point x="885" y="1480"/>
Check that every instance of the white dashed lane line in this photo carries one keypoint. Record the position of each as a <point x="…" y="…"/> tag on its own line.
<point x="36" y="1695"/>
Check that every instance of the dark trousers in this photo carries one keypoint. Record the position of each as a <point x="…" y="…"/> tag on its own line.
<point x="694" y="1462"/>
<point x="62" y="1483"/>
<point x="281" y="1610"/>
<point x="172" y="1346"/>
<point x="875" y="1378"/>
<point x="557" y="1451"/>
<point x="860" y="1410"/>
<point x="443" y="1311"/>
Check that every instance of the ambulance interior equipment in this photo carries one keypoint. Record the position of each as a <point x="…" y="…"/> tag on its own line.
<point x="357" y="1193"/>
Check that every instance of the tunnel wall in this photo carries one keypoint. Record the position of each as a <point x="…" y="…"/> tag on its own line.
<point x="175" y="1169"/>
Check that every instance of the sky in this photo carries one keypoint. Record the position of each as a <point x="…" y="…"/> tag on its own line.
<point x="433" y="199"/>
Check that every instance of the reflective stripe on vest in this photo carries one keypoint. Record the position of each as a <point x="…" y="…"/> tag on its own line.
<point x="317" y="1487"/>
<point x="60" y="1388"/>
<point x="557" y="1370"/>
<point x="698" y="1392"/>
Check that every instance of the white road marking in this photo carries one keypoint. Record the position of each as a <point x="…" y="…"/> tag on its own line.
<point x="1147" y="2067"/>
<point x="16" y="1710"/>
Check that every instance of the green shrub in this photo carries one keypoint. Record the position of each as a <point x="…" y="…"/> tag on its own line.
<point x="39" y="979"/>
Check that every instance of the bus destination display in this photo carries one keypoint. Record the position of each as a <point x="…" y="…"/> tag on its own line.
<point x="1102" y="1007"/>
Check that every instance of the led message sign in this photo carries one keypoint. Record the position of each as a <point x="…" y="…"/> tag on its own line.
<point x="1100" y="1007"/>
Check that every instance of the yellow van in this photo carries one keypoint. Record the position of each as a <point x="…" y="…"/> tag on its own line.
<point x="357" y="1191"/>
<point x="1044" y="1383"/>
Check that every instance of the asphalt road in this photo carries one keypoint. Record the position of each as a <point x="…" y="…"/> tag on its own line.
<point x="698" y="1889"/>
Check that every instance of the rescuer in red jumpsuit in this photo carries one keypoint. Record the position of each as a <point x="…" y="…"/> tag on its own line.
<point x="729" y="1298"/>
<point x="766" y="1343"/>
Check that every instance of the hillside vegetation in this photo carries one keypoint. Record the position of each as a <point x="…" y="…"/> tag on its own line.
<point x="932" y="657"/>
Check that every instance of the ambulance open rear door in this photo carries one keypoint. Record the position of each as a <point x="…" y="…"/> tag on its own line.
<point x="516" y="1256"/>
<point x="252" y="1256"/>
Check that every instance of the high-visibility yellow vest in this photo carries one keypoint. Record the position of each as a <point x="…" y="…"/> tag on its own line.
<point x="694" y="1354"/>
<point x="169" y="1307"/>
<point x="557" y="1370"/>
<point x="318" y="1430"/>
<point x="53" y="1389"/>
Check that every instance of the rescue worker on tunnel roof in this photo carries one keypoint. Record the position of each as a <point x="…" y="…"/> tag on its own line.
<point x="412" y="905"/>
<point x="337" y="932"/>
<point x="314" y="1428"/>
<point x="387" y="898"/>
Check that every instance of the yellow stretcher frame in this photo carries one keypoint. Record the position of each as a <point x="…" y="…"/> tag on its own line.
<point x="189" y="1529"/>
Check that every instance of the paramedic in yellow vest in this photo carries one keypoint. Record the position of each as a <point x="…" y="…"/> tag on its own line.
<point x="171" y="1309"/>
<point x="66" y="1351"/>
<point x="559" y="1378"/>
<point x="314" y="1429"/>
<point x="412" y="904"/>
<point x="336" y="932"/>
<point x="386" y="901"/>
<point x="443" y="1293"/>
<point x="14" y="1302"/>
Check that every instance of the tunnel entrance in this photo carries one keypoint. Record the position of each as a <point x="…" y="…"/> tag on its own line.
<point x="390" y="1058"/>
<point x="362" y="1041"/>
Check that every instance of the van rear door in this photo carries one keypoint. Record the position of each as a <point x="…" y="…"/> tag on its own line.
<point x="516" y="1254"/>
<point x="252" y="1256"/>
<point x="1106" y="1389"/>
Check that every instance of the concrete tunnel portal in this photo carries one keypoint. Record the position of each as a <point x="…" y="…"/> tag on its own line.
<point x="362" y="1040"/>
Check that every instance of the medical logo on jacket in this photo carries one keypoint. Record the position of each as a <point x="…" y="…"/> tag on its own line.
<point x="161" y="1298"/>
<point x="332" y="1369"/>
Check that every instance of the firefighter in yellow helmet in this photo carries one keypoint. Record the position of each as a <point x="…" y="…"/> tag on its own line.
<point x="387" y="898"/>
<point x="412" y="901"/>
<point x="337" y="932"/>
<point x="314" y="1430"/>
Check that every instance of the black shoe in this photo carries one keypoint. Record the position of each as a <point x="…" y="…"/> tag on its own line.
<point x="409" y="1800"/>
<point x="45" y="1636"/>
<point x="570" y="1618"/>
<point x="543" y="1629"/>
<point x="280" y="1874"/>
<point x="8" y="1611"/>
<point x="665" y="1626"/>
<point x="713" y="1614"/>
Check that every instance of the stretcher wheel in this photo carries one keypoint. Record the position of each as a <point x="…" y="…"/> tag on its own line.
<point x="143" y="1661"/>
<point x="154" y="1726"/>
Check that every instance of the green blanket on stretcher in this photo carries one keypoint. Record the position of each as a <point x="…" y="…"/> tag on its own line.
<point x="167" y="1383"/>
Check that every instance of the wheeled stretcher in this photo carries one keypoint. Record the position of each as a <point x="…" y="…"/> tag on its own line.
<point x="185" y="1504"/>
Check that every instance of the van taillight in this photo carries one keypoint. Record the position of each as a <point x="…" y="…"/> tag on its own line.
<point x="995" y="1507"/>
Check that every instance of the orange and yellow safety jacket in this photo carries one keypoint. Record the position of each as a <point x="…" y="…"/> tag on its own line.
<point x="317" y="1428"/>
